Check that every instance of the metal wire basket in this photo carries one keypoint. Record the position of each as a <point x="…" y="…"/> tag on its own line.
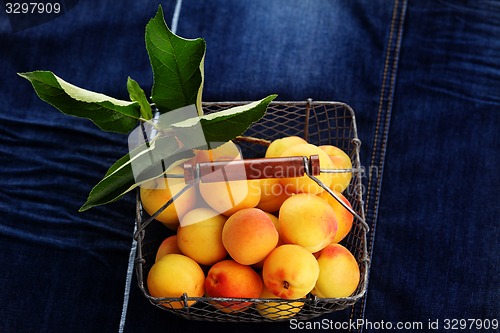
<point x="320" y="123"/>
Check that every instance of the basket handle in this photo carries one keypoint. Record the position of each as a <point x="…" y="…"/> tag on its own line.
<point x="256" y="168"/>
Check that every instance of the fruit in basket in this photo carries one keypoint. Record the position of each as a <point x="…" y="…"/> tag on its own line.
<point x="275" y="220"/>
<point x="290" y="271"/>
<point x="168" y="246"/>
<point x="277" y="310"/>
<point x="340" y="160"/>
<point x="307" y="220"/>
<point x="227" y="278"/>
<point x="230" y="196"/>
<point x="276" y="223"/>
<point x="249" y="235"/>
<point x="199" y="236"/>
<point x="276" y="148"/>
<point x="272" y="195"/>
<point x="172" y="276"/>
<point x="155" y="193"/>
<point x="226" y="151"/>
<point x="339" y="273"/>
<point x="304" y="183"/>
<point x="342" y="215"/>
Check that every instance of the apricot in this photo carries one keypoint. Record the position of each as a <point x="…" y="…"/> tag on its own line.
<point x="290" y="271"/>
<point x="272" y="195"/>
<point x="339" y="273"/>
<point x="230" y="196"/>
<point x="340" y="160"/>
<point x="156" y="193"/>
<point x="235" y="192"/>
<point x="167" y="246"/>
<point x="227" y="151"/>
<point x="249" y="235"/>
<point x="172" y="276"/>
<point x="199" y="236"/>
<point x="344" y="218"/>
<point x="277" y="310"/>
<point x="304" y="183"/>
<point x="227" y="278"/>
<point x="276" y="223"/>
<point x="275" y="220"/>
<point x="279" y="145"/>
<point x="307" y="220"/>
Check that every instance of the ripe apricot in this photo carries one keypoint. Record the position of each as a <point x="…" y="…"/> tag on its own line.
<point x="230" y="196"/>
<point x="290" y="271"/>
<point x="272" y="195"/>
<point x="167" y="246"/>
<point x="339" y="272"/>
<point x="344" y="218"/>
<point x="156" y="193"/>
<point x="276" y="148"/>
<point x="172" y="276"/>
<point x="277" y="310"/>
<point x="307" y="220"/>
<point x="227" y="278"/>
<point x="340" y="160"/>
<point x="249" y="235"/>
<point x="199" y="236"/>
<point x="304" y="184"/>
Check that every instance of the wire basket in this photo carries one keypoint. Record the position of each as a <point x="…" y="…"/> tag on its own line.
<point x="320" y="123"/>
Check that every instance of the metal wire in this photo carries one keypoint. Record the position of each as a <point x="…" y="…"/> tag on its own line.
<point x="321" y="123"/>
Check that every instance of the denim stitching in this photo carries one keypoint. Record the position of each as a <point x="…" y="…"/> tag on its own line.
<point x="175" y="18"/>
<point x="133" y="249"/>
<point x="377" y="127"/>
<point x="128" y="282"/>
<point x="391" y="52"/>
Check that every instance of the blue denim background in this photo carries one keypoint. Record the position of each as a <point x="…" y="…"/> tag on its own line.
<point x="422" y="76"/>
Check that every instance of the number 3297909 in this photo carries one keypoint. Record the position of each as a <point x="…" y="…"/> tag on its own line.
<point x="32" y="8"/>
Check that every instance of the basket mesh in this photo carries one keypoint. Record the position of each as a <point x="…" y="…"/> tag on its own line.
<point x="320" y="123"/>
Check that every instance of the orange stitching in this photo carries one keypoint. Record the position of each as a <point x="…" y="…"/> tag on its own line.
<point x="379" y="115"/>
<point x="386" y="123"/>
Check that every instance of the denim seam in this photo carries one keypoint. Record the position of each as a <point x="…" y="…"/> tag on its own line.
<point x="386" y="97"/>
<point x="128" y="282"/>
<point x="175" y="17"/>
<point x="133" y="250"/>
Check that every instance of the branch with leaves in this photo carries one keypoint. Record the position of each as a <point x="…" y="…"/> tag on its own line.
<point x="177" y="65"/>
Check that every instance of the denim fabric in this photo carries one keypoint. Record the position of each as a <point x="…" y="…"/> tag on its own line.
<point x="422" y="76"/>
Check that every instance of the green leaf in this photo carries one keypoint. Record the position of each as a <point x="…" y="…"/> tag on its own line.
<point x="119" y="178"/>
<point x="224" y="125"/>
<point x="107" y="113"/>
<point x="219" y="127"/>
<point x="113" y="186"/>
<point x="137" y="95"/>
<point x="177" y="65"/>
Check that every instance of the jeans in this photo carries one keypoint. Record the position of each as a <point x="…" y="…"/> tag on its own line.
<point x="422" y="77"/>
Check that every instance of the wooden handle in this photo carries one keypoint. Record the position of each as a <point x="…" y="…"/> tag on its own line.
<point x="257" y="168"/>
